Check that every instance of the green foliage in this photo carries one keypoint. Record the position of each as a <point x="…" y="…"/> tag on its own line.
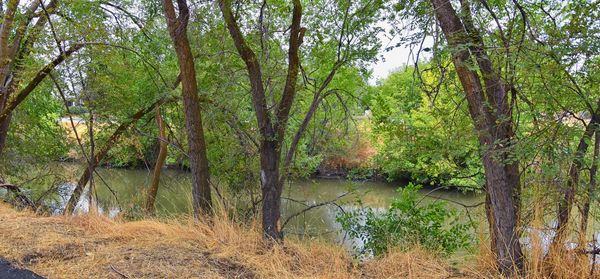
<point x="78" y="110"/>
<point x="406" y="224"/>
<point x="427" y="139"/>
<point x="361" y="173"/>
<point x="35" y="132"/>
<point x="420" y="121"/>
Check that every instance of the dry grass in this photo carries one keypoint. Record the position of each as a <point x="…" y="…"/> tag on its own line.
<point x="96" y="247"/>
<point x="567" y="265"/>
<point x="538" y="265"/>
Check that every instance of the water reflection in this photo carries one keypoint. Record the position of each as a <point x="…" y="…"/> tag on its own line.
<point x="321" y="221"/>
<point x="174" y="197"/>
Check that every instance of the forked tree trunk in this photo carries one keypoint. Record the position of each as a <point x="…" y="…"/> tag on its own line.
<point x="271" y="125"/>
<point x="177" y="24"/>
<point x="160" y="161"/>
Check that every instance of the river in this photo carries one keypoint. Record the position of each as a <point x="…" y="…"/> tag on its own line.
<point x="174" y="197"/>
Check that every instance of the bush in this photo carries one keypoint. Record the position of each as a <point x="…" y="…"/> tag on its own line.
<point x="405" y="224"/>
<point x="78" y="110"/>
<point x="426" y="140"/>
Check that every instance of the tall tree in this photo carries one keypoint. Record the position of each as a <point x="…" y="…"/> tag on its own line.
<point x="344" y="36"/>
<point x="491" y="113"/>
<point x="177" y="25"/>
<point x="272" y="125"/>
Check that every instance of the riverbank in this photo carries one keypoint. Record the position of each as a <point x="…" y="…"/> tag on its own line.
<point x="96" y="247"/>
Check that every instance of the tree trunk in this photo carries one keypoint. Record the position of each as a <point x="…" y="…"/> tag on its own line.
<point x="201" y="196"/>
<point x="490" y="219"/>
<point x="585" y="211"/>
<point x="272" y="131"/>
<point x="492" y="117"/>
<point x="568" y="199"/>
<point x="92" y="202"/>
<point x="12" y="57"/>
<point x="271" y="187"/>
<point x="505" y="216"/>
<point x="103" y="151"/>
<point x="160" y="160"/>
<point x="4" y="128"/>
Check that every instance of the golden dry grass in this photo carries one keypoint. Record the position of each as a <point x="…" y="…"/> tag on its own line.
<point x="97" y="247"/>
<point x="567" y="265"/>
<point x="93" y="246"/>
<point x="538" y="265"/>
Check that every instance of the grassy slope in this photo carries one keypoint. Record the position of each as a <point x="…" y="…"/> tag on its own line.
<point x="96" y="247"/>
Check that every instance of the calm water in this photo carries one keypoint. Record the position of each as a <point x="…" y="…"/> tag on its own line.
<point x="174" y="197"/>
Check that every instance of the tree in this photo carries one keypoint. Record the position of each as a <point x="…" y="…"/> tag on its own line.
<point x="177" y="25"/>
<point x="18" y="34"/>
<point x="491" y="113"/>
<point x="272" y="127"/>
<point x="160" y="161"/>
<point x="344" y="35"/>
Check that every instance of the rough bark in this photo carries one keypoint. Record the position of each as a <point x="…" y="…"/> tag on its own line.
<point x="177" y="25"/>
<point x="272" y="131"/>
<point x="490" y="219"/>
<point x="491" y="114"/>
<point x="160" y="161"/>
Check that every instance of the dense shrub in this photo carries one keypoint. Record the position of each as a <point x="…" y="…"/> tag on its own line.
<point x="426" y="139"/>
<point x="409" y="222"/>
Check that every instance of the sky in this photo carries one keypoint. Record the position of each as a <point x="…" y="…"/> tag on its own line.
<point x="389" y="62"/>
<point x="395" y="59"/>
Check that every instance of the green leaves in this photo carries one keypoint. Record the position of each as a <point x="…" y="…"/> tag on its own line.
<point x="428" y="140"/>
<point x="409" y="222"/>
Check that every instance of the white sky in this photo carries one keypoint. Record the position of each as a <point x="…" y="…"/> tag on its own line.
<point x="396" y="58"/>
<point x="390" y="61"/>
